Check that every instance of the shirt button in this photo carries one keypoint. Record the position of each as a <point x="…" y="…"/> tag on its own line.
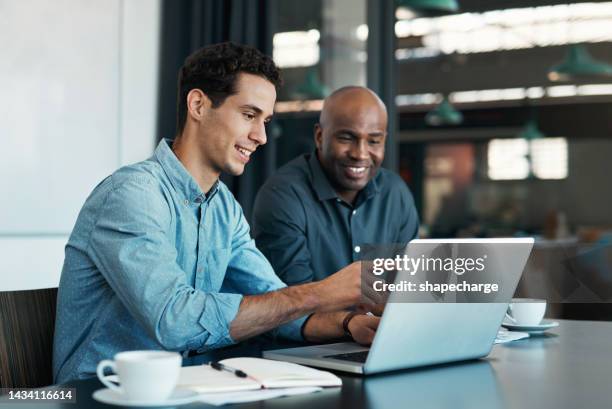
<point x="338" y="200"/>
<point x="186" y="202"/>
<point x="357" y="249"/>
<point x="354" y="212"/>
<point x="198" y="200"/>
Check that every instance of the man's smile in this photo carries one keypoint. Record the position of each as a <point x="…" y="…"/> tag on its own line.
<point x="244" y="153"/>
<point x="355" y="171"/>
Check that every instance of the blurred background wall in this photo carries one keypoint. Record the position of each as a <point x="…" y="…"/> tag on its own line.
<point x="78" y="98"/>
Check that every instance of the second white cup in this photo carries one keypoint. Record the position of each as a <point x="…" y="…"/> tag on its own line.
<point x="526" y="311"/>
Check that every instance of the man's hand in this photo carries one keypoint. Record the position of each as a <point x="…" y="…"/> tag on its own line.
<point x="376" y="309"/>
<point x="327" y="298"/>
<point x="342" y="289"/>
<point x="363" y="328"/>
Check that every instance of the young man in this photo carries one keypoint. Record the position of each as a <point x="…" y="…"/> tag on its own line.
<point x="312" y="217"/>
<point x="161" y="257"/>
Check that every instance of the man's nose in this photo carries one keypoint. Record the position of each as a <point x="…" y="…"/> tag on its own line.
<point x="258" y="134"/>
<point x="359" y="150"/>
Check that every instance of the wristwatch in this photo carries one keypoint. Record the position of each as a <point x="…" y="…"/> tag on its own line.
<point x="345" y="323"/>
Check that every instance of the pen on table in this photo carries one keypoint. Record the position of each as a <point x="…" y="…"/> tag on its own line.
<point x="220" y="367"/>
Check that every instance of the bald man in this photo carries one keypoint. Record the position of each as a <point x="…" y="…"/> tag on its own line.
<point x="313" y="216"/>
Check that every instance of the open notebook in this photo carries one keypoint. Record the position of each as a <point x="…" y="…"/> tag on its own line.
<point x="262" y="373"/>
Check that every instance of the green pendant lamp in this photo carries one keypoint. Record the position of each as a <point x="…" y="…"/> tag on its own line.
<point x="444" y="114"/>
<point x="579" y="63"/>
<point x="312" y="88"/>
<point x="531" y="131"/>
<point x="430" y="8"/>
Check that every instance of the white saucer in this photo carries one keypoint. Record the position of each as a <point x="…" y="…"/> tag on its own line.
<point x="178" y="397"/>
<point x="531" y="329"/>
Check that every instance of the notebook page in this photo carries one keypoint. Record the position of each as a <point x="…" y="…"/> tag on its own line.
<point x="204" y="379"/>
<point x="278" y="374"/>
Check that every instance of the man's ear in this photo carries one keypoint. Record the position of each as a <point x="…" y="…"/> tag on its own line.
<point x="197" y="104"/>
<point x="318" y="136"/>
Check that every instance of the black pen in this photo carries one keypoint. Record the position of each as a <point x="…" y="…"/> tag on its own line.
<point x="220" y="367"/>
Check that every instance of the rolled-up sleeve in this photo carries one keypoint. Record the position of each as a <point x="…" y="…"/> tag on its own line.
<point x="249" y="272"/>
<point x="130" y="246"/>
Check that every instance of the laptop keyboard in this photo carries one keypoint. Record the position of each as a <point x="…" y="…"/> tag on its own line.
<point x="360" y="356"/>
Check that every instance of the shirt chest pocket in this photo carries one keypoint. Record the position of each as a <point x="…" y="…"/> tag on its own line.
<point x="210" y="276"/>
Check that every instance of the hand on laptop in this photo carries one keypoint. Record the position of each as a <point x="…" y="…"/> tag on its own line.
<point x="347" y="288"/>
<point x="363" y="328"/>
<point x="374" y="309"/>
<point x="342" y="289"/>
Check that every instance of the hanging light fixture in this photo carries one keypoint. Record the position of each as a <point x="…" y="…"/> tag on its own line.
<point x="531" y="131"/>
<point x="579" y="63"/>
<point x="444" y="114"/>
<point x="312" y="88"/>
<point x="430" y="8"/>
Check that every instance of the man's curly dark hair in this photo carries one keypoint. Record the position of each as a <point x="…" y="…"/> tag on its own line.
<point x="214" y="69"/>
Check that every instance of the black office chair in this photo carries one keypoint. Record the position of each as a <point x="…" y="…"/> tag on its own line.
<point x="27" y="320"/>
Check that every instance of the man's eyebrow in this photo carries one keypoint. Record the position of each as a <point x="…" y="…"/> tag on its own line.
<point x="346" y="130"/>
<point x="253" y="107"/>
<point x="375" y="134"/>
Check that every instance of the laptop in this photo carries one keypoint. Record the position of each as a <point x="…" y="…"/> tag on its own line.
<point x="413" y="334"/>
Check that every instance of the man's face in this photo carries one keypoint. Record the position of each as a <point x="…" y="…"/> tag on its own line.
<point x="351" y="143"/>
<point x="230" y="133"/>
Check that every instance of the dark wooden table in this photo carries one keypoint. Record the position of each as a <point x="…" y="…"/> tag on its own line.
<point x="569" y="367"/>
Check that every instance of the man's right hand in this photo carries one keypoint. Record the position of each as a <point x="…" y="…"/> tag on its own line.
<point x="344" y="289"/>
<point x="340" y="291"/>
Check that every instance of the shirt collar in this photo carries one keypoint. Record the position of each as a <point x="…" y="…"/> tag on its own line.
<point x="324" y="189"/>
<point x="372" y="188"/>
<point x="319" y="180"/>
<point x="180" y="178"/>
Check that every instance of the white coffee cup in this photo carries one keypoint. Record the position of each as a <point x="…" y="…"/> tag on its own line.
<point x="526" y="311"/>
<point x="144" y="376"/>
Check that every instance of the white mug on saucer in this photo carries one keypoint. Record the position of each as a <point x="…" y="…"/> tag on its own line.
<point x="526" y="311"/>
<point x="144" y="376"/>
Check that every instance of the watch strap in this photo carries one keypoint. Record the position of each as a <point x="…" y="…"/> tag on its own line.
<point x="345" y="323"/>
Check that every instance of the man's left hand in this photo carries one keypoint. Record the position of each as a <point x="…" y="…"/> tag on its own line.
<point x="376" y="309"/>
<point x="363" y="328"/>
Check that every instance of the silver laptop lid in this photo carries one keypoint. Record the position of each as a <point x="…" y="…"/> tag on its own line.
<point x="428" y="327"/>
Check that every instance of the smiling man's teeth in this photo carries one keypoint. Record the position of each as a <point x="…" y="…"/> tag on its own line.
<point x="356" y="170"/>
<point x="244" y="151"/>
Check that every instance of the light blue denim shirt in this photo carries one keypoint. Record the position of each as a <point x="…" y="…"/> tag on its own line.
<point x="154" y="263"/>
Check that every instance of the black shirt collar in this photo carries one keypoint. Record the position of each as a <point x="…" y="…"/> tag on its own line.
<point x="319" y="180"/>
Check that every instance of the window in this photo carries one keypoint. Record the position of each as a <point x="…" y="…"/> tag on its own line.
<point x="515" y="159"/>
<point x="508" y="29"/>
<point x="296" y="48"/>
<point x="549" y="158"/>
<point x="319" y="46"/>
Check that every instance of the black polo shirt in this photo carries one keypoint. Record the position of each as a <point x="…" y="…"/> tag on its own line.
<point x="308" y="232"/>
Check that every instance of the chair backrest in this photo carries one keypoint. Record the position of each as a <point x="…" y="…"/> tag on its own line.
<point x="27" y="320"/>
